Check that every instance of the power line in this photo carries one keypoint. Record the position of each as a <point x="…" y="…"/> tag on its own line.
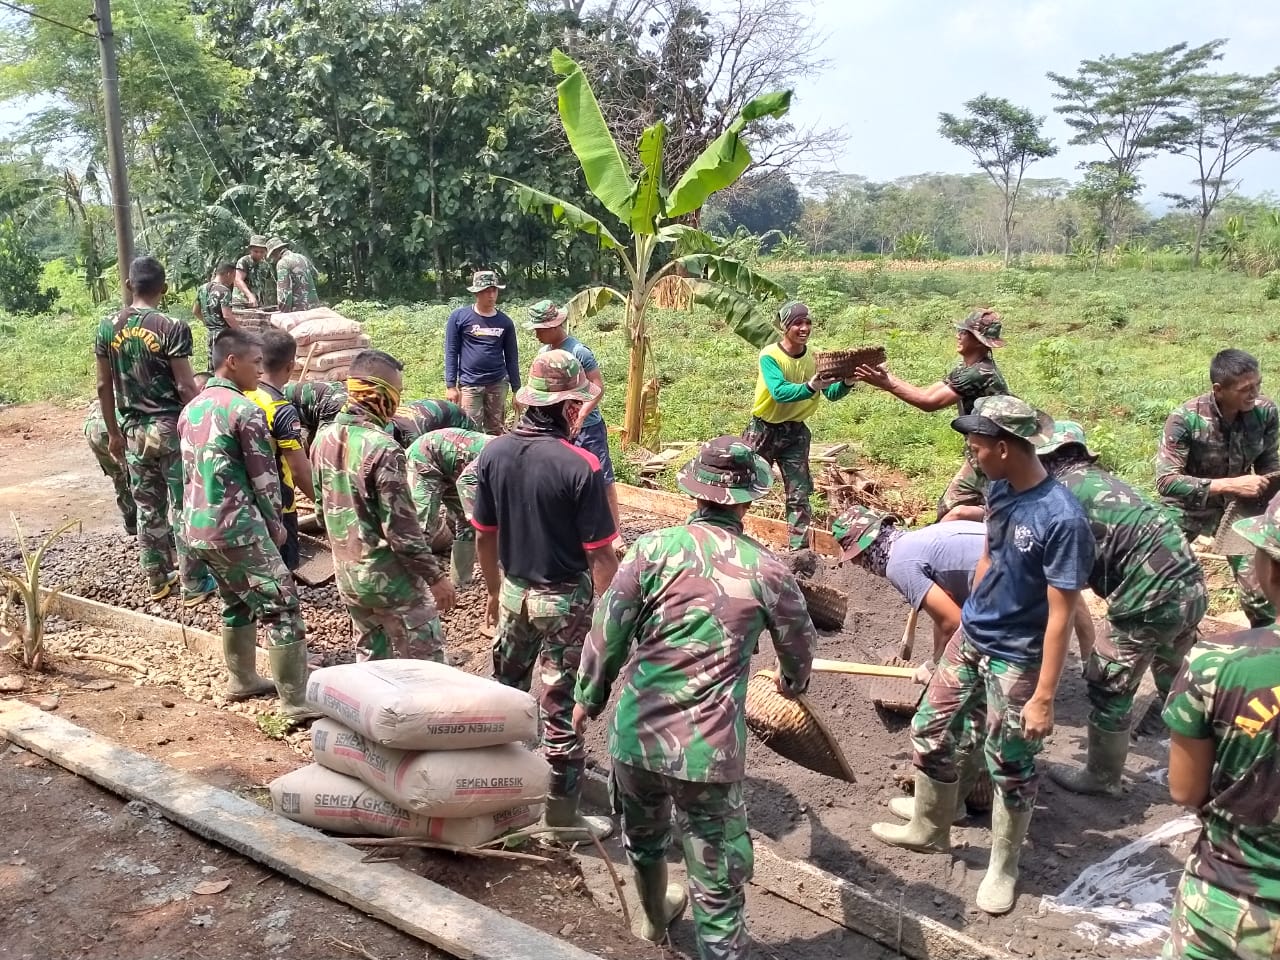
<point x="41" y="16"/>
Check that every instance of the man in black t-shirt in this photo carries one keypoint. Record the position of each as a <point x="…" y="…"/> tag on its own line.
<point x="543" y="512"/>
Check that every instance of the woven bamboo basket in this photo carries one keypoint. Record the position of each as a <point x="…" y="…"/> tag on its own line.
<point x="1226" y="541"/>
<point x="842" y="363"/>
<point x="791" y="729"/>
<point x="828" y="607"/>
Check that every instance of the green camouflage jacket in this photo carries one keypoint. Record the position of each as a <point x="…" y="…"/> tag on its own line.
<point x="380" y="552"/>
<point x="317" y="402"/>
<point x="436" y="461"/>
<point x="981" y="379"/>
<point x="693" y="600"/>
<point x="420" y="417"/>
<point x="231" y="488"/>
<point x="139" y="345"/>
<point x="968" y="488"/>
<point x="212" y="297"/>
<point x="258" y="277"/>
<point x="95" y="428"/>
<point x="1143" y="560"/>
<point x="1229" y="692"/>
<point x="296" y="283"/>
<point x="1199" y="446"/>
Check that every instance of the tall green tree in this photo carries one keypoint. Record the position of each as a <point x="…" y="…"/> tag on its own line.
<point x="1004" y="140"/>
<point x="1227" y="118"/>
<point x="1128" y="106"/>
<point x="759" y="202"/>
<point x="642" y="204"/>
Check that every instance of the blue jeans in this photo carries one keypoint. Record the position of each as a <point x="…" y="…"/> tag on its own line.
<point x="595" y="438"/>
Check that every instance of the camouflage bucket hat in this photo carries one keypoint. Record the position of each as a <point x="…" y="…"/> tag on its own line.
<point x="545" y="314"/>
<point x="858" y="528"/>
<point x="274" y="244"/>
<point x="483" y="280"/>
<point x="1263" y="531"/>
<point x="258" y="240"/>
<point x="793" y="311"/>
<point x="554" y="376"/>
<point x="1065" y="432"/>
<point x="985" y="325"/>
<point x="993" y="416"/>
<point x="726" y="471"/>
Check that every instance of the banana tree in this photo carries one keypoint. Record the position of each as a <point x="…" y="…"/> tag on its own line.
<point x="650" y="211"/>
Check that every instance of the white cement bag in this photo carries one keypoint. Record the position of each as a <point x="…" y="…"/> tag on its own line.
<point x="330" y="801"/>
<point x="421" y="705"/>
<point x="323" y="328"/>
<point x="286" y="321"/>
<point x="333" y="361"/>
<point x="436" y="783"/>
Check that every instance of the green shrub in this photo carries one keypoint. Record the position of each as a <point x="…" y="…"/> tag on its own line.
<point x="1271" y="288"/>
<point x="1105" y="308"/>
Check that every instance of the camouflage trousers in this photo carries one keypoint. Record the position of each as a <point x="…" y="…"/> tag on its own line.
<point x="436" y="491"/>
<point x="409" y="632"/>
<point x="547" y="624"/>
<point x="255" y="587"/>
<point x="1209" y="923"/>
<point x="1159" y="640"/>
<point x="487" y="405"/>
<point x="712" y="818"/>
<point x="117" y="473"/>
<point x="787" y="445"/>
<point x="965" y="677"/>
<point x="1260" y="611"/>
<point x="154" y="460"/>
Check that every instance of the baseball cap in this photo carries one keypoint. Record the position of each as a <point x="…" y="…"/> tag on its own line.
<point x="726" y="471"/>
<point x="993" y="416"/>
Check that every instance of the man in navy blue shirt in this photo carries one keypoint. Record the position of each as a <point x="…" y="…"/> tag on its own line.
<point x="1010" y="648"/>
<point x="481" y="357"/>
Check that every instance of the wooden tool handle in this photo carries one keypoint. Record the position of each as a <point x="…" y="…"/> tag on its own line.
<point x="862" y="669"/>
<point x="909" y="635"/>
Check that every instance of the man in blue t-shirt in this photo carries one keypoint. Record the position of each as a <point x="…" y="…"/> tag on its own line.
<point x="481" y="357"/>
<point x="547" y="321"/>
<point x="1010" y="648"/>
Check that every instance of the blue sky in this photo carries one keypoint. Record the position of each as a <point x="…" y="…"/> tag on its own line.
<point x="894" y="66"/>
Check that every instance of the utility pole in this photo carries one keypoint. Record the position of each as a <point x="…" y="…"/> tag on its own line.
<point x="115" y="142"/>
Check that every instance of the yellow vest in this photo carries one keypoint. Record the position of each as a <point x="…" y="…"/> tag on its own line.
<point x="268" y="403"/>
<point x="795" y="369"/>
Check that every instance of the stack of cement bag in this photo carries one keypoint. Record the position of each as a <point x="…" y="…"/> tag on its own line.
<point x="327" y="342"/>
<point x="412" y="748"/>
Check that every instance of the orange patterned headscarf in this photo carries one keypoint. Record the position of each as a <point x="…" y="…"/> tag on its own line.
<point x="375" y="396"/>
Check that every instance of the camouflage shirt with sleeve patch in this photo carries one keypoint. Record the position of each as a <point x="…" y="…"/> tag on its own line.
<point x="317" y="402"/>
<point x="380" y="552"/>
<point x="140" y="345"/>
<point x="692" y="601"/>
<point x="296" y="285"/>
<point x="258" y="277"/>
<point x="212" y="297"/>
<point x="981" y="379"/>
<point x="419" y="417"/>
<point x="1199" y="445"/>
<point x="231" y="488"/>
<point x="1229" y="692"/>
<point x="438" y="460"/>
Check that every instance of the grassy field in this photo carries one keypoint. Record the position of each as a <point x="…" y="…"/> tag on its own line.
<point x="1115" y="351"/>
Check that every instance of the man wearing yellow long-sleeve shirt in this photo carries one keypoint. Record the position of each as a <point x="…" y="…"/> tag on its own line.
<point x="788" y="391"/>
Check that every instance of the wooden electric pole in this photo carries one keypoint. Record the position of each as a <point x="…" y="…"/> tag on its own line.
<point x="115" y="142"/>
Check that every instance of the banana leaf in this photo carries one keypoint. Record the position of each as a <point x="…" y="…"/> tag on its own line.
<point x="532" y="200"/>
<point x="595" y="148"/>
<point x="650" y="197"/>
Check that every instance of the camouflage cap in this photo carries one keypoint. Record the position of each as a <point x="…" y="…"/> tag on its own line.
<point x="1065" y="433"/>
<point x="793" y="311"/>
<point x="545" y="314"/>
<point x="257" y="240"/>
<point x="985" y="325"/>
<point x="483" y="280"/>
<point x="554" y="376"/>
<point x="993" y="416"/>
<point x="859" y="527"/>
<point x="726" y="471"/>
<point x="275" y="244"/>
<point x="1263" y="531"/>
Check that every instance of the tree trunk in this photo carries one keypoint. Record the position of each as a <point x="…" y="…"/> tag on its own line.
<point x="633" y="417"/>
<point x="1195" y="251"/>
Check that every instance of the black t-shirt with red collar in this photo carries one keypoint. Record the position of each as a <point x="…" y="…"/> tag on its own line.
<point x="546" y="499"/>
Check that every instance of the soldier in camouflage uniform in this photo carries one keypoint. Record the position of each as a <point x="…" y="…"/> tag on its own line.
<point x="296" y="284"/>
<point x="1010" y="648"/>
<point x="231" y="517"/>
<point x="95" y="432"/>
<point x="1155" y="593"/>
<point x="1220" y="446"/>
<point x="680" y="622"/>
<point x="439" y="470"/>
<point x="1224" y="714"/>
<point x="788" y="392"/>
<point x="254" y="283"/>
<point x="318" y="402"/>
<point x="213" y="303"/>
<point x="544" y="539"/>
<point x="966" y="495"/>
<point x="417" y="418"/>
<point x="392" y="585"/>
<point x="144" y="377"/>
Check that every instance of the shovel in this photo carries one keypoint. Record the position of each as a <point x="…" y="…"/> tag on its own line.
<point x="895" y="695"/>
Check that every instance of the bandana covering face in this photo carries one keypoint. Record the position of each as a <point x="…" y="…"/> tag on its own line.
<point x="876" y="558"/>
<point x="377" y="397"/>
